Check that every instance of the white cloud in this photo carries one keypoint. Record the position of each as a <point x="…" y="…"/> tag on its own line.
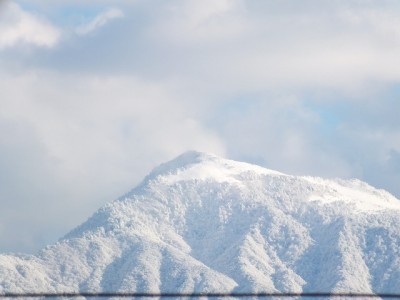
<point x="21" y="27"/>
<point x="99" y="21"/>
<point x="69" y="143"/>
<point x="257" y="46"/>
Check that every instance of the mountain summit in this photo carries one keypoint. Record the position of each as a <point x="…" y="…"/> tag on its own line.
<point x="201" y="223"/>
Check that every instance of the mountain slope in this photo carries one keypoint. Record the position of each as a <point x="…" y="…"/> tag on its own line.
<point x="201" y="223"/>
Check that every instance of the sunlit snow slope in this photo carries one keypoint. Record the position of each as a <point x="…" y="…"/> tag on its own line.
<point x="201" y="223"/>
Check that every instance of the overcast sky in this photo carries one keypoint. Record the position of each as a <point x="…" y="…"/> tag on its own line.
<point x="94" y="94"/>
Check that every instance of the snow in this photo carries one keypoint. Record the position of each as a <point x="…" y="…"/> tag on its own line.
<point x="204" y="223"/>
<point x="354" y="193"/>
<point x="194" y="165"/>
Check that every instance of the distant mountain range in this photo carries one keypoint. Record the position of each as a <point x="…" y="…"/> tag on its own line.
<point x="201" y="223"/>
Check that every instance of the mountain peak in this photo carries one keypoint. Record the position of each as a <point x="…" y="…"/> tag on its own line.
<point x="195" y="165"/>
<point x="189" y="158"/>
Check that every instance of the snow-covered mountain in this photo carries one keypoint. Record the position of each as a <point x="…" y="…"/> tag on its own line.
<point x="201" y="223"/>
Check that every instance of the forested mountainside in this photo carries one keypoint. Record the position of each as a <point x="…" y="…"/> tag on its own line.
<point x="201" y="223"/>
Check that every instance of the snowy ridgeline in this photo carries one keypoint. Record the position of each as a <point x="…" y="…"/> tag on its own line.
<point x="201" y="223"/>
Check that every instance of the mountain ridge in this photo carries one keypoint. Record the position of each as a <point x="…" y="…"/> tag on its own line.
<point x="201" y="223"/>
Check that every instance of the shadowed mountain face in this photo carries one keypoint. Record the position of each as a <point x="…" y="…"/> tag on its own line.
<point x="201" y="223"/>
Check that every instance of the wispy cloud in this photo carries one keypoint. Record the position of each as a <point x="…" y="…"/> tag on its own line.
<point x="21" y="27"/>
<point x="99" y="21"/>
